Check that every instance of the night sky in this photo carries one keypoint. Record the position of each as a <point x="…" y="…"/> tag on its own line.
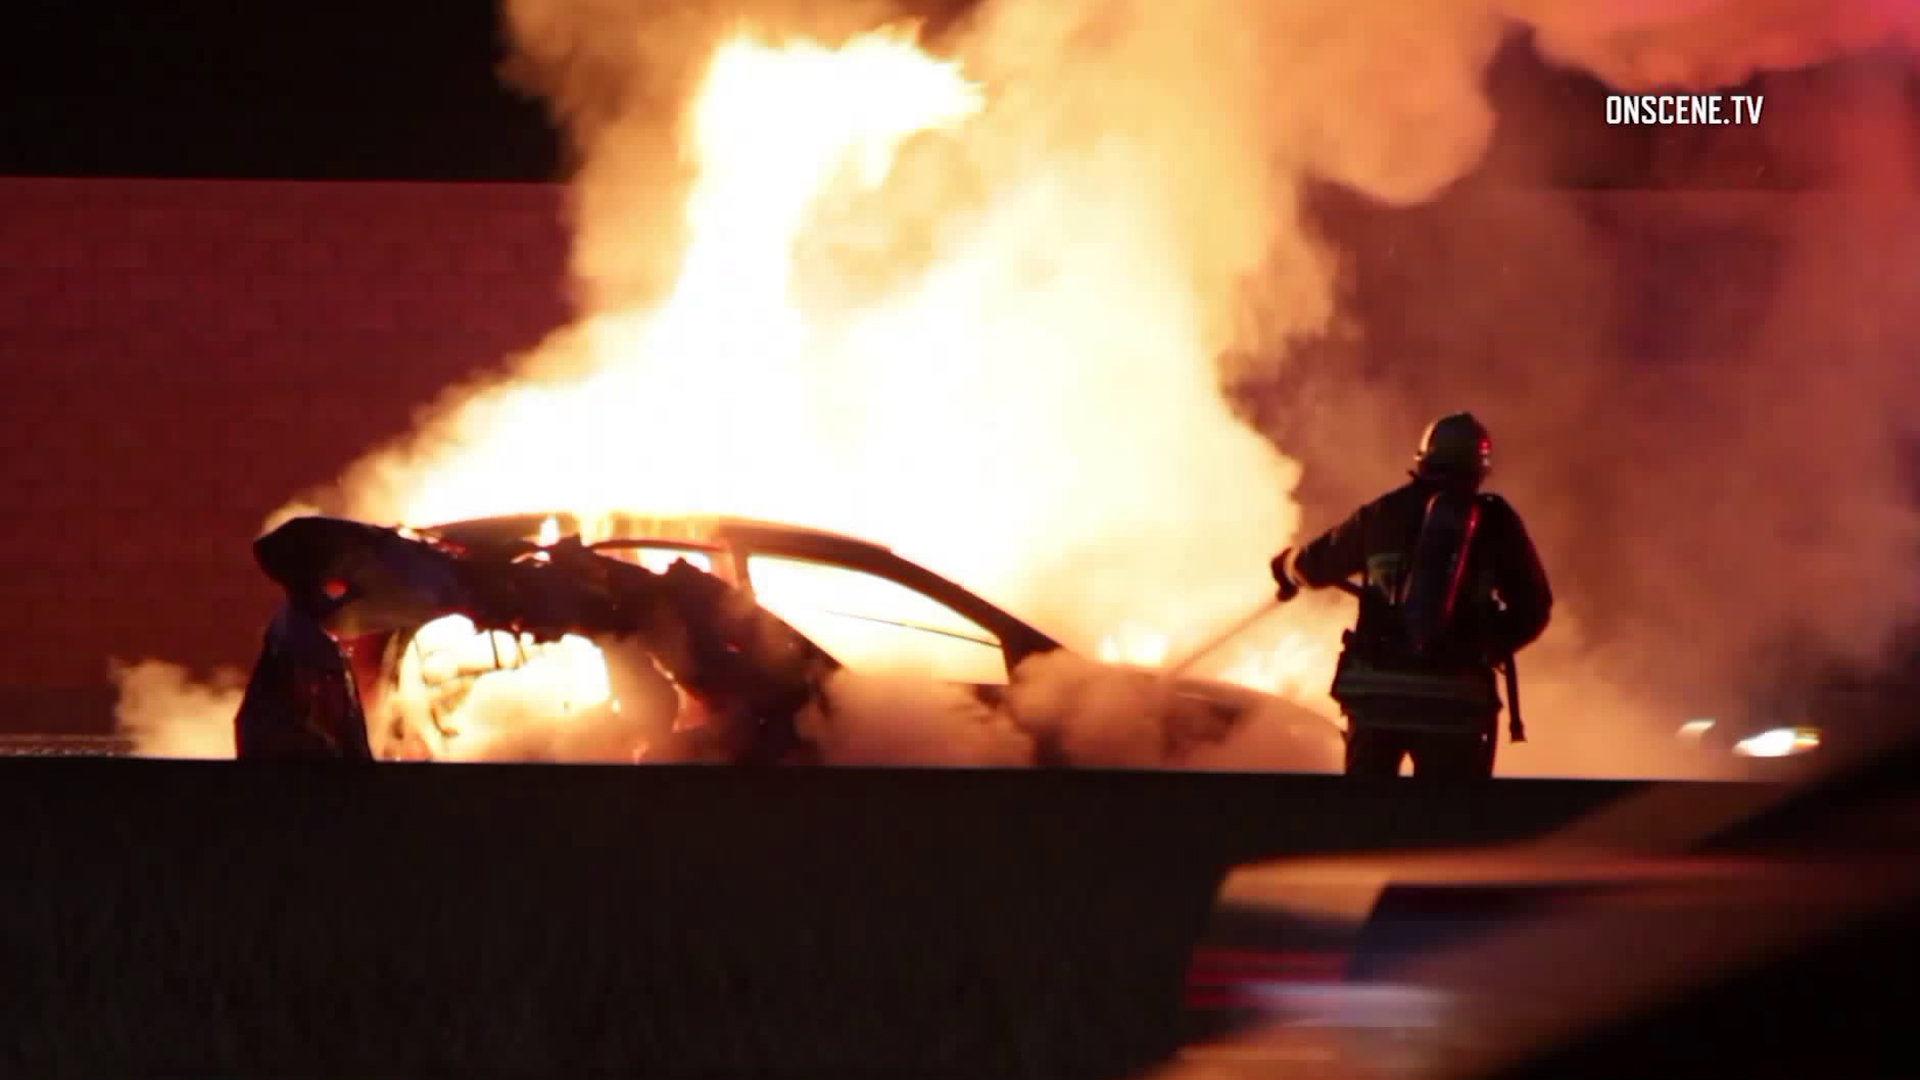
<point x="352" y="90"/>
<point x="239" y="89"/>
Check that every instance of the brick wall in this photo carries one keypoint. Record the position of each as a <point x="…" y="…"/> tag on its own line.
<point x="178" y="358"/>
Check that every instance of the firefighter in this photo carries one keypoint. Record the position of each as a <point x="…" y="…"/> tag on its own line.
<point x="1452" y="589"/>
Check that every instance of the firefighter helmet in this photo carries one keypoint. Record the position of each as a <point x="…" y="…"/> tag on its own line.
<point x="1455" y="445"/>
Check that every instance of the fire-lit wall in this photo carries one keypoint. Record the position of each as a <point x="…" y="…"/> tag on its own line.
<point x="182" y="357"/>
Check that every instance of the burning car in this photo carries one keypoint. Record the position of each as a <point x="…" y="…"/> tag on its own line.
<point x="664" y="639"/>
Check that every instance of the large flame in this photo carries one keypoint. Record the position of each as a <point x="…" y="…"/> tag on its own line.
<point x="1015" y="388"/>
<point x="705" y="403"/>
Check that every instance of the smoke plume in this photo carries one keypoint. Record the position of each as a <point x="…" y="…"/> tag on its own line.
<point x="1697" y="394"/>
<point x="903" y="720"/>
<point x="1061" y="709"/>
<point x="169" y="713"/>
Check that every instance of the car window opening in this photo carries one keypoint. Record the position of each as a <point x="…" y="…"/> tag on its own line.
<point x="655" y="557"/>
<point x="873" y="624"/>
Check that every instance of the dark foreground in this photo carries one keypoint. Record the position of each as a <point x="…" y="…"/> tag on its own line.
<point x="214" y="919"/>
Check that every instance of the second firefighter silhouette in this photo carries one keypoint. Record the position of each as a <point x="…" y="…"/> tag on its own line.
<point x="1453" y="588"/>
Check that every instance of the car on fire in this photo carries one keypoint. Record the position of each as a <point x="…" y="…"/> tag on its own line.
<point x="742" y="623"/>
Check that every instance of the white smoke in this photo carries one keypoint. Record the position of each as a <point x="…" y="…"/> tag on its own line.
<point x="910" y="721"/>
<point x="170" y="713"/>
<point x="1061" y="709"/>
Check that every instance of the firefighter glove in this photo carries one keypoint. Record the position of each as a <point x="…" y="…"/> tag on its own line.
<point x="1289" y="588"/>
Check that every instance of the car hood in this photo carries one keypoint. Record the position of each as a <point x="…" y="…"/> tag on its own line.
<point x="1209" y="690"/>
<point x="1224" y="693"/>
<point x="1238" y="699"/>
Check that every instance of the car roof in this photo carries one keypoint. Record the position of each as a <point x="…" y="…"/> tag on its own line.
<point x="716" y="531"/>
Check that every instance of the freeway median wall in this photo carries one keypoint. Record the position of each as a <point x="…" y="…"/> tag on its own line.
<point x="215" y="919"/>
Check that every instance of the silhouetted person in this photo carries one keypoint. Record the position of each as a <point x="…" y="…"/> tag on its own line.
<point x="344" y="581"/>
<point x="301" y="701"/>
<point x="1452" y="588"/>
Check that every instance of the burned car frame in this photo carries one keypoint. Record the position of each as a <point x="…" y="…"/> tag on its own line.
<point x="742" y="623"/>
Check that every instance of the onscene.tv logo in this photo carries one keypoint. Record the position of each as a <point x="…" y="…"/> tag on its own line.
<point x="1684" y="108"/>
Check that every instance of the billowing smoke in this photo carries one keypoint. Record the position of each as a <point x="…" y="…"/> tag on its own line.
<point x="904" y="720"/>
<point x="1723" y="510"/>
<point x="1062" y="709"/>
<point x="169" y="713"/>
<point x="1697" y="395"/>
<point x="985" y="323"/>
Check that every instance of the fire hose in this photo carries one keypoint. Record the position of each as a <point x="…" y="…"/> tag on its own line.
<point x="1289" y="588"/>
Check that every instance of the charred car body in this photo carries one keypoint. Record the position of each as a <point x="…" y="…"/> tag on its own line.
<point x="716" y="635"/>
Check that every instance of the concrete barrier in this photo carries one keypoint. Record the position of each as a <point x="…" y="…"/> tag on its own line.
<point x="214" y="919"/>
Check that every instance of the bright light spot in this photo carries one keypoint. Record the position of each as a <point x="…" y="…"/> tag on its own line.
<point x="1134" y="645"/>
<point x="1779" y="742"/>
<point x="659" y="558"/>
<point x="461" y="689"/>
<point x="1694" y="729"/>
<point x="549" y="532"/>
